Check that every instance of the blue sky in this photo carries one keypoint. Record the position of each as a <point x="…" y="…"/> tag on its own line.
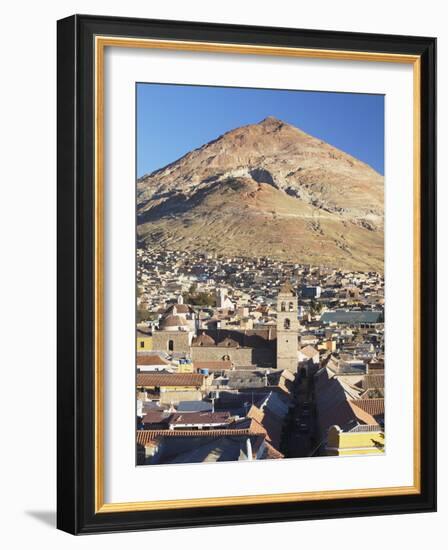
<point x="173" y="119"/>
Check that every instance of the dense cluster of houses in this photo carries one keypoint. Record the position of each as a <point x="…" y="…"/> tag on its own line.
<point x="278" y="351"/>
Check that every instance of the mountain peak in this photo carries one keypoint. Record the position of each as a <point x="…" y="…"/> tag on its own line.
<point x="271" y="121"/>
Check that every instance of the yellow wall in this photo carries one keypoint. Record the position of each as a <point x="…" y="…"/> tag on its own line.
<point x="354" y="443"/>
<point x="146" y="341"/>
<point x="186" y="367"/>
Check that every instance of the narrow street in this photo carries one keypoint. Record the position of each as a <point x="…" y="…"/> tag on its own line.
<point x="299" y="439"/>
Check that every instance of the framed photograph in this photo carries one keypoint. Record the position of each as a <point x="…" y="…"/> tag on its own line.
<point x="247" y="274"/>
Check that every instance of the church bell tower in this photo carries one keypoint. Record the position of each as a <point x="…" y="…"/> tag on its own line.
<point x="287" y="328"/>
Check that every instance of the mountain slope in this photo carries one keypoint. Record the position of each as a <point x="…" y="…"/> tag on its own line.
<point x="267" y="189"/>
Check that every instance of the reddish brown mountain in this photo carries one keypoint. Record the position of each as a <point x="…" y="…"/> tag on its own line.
<point x="267" y="189"/>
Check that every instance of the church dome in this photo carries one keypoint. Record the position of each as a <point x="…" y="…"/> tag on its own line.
<point x="203" y="340"/>
<point x="173" y="322"/>
<point x="228" y="343"/>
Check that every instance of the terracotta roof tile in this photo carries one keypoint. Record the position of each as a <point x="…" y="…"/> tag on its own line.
<point x="147" y="436"/>
<point x="156" y="417"/>
<point x="359" y="414"/>
<point x="149" y="360"/>
<point x="154" y="379"/>
<point x="373" y="407"/>
<point x="269" y="421"/>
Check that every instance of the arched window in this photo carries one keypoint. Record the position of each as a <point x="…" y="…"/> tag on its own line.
<point x="291" y="306"/>
<point x="287" y="324"/>
<point x="283" y="306"/>
<point x="170" y="345"/>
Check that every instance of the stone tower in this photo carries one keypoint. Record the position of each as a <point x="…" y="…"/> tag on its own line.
<point x="287" y="328"/>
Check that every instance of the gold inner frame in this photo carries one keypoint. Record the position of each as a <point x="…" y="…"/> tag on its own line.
<point x="101" y="42"/>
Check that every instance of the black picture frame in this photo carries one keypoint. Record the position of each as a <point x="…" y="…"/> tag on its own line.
<point x="76" y="265"/>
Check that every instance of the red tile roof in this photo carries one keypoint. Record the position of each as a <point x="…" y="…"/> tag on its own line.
<point x="270" y="422"/>
<point x="359" y="414"/>
<point x="373" y="407"/>
<point x="151" y="360"/>
<point x="154" y="379"/>
<point x="147" y="436"/>
<point x="156" y="417"/>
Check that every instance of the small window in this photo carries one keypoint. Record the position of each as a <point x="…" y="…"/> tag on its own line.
<point x="287" y="324"/>
<point x="283" y="306"/>
<point x="291" y="306"/>
<point x="170" y="345"/>
<point x="142" y="344"/>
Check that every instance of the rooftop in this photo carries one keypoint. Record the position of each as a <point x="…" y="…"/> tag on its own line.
<point x="352" y="317"/>
<point x="151" y="360"/>
<point x="173" y="321"/>
<point x="287" y="289"/>
<point x="154" y="379"/>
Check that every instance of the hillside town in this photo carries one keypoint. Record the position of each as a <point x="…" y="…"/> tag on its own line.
<point x="254" y="358"/>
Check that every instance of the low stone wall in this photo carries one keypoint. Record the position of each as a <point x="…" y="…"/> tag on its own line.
<point x="240" y="357"/>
